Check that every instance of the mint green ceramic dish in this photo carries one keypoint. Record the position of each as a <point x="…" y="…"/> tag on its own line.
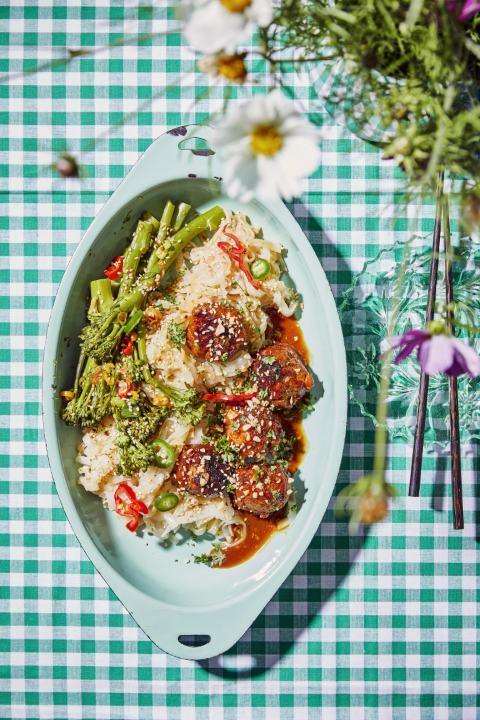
<point x="171" y="599"/>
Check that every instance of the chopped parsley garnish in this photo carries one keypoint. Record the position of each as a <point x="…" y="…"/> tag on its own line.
<point x="215" y="558"/>
<point x="259" y="473"/>
<point x="248" y="304"/>
<point x="169" y="298"/>
<point x="257" y="330"/>
<point x="240" y="310"/>
<point x="275" y="494"/>
<point x="229" y="488"/>
<point x="270" y="433"/>
<point x="263" y="394"/>
<point x="224" y="357"/>
<point x="269" y="359"/>
<point x="217" y="555"/>
<point x="235" y="425"/>
<point x="177" y="334"/>
<point x="284" y="449"/>
<point x="228" y="453"/>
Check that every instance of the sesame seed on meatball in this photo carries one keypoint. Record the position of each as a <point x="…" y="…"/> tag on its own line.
<point x="252" y="429"/>
<point x="201" y="472"/>
<point x="280" y="372"/>
<point x="262" y="489"/>
<point x="215" y="332"/>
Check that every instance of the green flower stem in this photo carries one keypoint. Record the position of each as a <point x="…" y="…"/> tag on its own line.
<point x="379" y="461"/>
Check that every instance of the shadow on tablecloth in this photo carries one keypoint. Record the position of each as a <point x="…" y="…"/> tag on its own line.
<point x="300" y="601"/>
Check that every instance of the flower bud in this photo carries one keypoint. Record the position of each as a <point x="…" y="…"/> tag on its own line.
<point x="372" y="508"/>
<point x="67" y="166"/>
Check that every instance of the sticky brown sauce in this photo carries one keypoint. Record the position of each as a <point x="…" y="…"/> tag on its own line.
<point x="260" y="530"/>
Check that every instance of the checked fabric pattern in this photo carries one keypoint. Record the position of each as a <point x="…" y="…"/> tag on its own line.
<point x="381" y="626"/>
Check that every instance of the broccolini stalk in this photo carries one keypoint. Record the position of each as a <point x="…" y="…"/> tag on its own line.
<point x="179" y="215"/>
<point x="139" y="246"/>
<point x="170" y="249"/>
<point x="164" y="226"/>
<point x="149" y="218"/>
<point x="102" y="298"/>
<point x="92" y="399"/>
<point x="187" y="403"/>
<point x="101" y="337"/>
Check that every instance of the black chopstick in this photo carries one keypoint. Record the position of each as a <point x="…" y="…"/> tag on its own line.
<point x="417" y="456"/>
<point x="455" y="452"/>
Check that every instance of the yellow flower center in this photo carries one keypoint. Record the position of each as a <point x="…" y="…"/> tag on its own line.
<point x="235" y="6"/>
<point x="233" y="68"/>
<point x="265" y="140"/>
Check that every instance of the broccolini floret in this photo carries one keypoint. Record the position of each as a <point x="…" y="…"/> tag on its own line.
<point x="133" y="432"/>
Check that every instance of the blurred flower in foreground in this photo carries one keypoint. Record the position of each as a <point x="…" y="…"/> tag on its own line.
<point x="267" y="148"/>
<point x="67" y="166"/>
<point x="215" y="25"/>
<point x="438" y="351"/>
<point x="232" y="67"/>
<point x="469" y="8"/>
<point x="366" y="501"/>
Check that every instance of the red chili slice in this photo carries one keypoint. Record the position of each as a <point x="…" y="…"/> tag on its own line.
<point x="131" y="508"/>
<point x="236" y="254"/>
<point x="115" y="268"/>
<point x="230" y="398"/>
<point x="124" y="388"/>
<point x="127" y="345"/>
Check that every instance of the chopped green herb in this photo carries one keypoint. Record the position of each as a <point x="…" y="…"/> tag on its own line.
<point x="269" y="359"/>
<point x="235" y="425"/>
<point x="224" y="357"/>
<point x="259" y="473"/>
<point x="263" y="394"/>
<point x="229" y="488"/>
<point x="270" y="433"/>
<point x="169" y="298"/>
<point x="257" y="330"/>
<point x="177" y="334"/>
<point x="248" y="304"/>
<point x="228" y="453"/>
<point x="202" y="559"/>
<point x="275" y="494"/>
<point x="217" y="555"/>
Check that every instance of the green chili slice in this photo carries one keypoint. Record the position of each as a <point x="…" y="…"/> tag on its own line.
<point x="134" y="320"/>
<point x="260" y="268"/>
<point x="164" y="454"/>
<point x="166" y="502"/>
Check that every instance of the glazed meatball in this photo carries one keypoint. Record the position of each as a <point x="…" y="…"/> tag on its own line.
<point x="279" y="371"/>
<point x="215" y="332"/>
<point x="201" y="472"/>
<point x="252" y="429"/>
<point x="262" y="489"/>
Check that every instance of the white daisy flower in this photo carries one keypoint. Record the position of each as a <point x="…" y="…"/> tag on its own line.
<point x="267" y="149"/>
<point x="215" y="25"/>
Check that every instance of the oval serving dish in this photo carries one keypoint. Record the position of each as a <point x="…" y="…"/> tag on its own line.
<point x="171" y="599"/>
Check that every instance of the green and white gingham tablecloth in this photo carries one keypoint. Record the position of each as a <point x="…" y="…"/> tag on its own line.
<point x="379" y="626"/>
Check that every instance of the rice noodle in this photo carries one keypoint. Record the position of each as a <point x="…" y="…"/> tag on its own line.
<point x="210" y="275"/>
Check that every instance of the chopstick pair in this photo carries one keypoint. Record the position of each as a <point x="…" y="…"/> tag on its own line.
<point x="455" y="453"/>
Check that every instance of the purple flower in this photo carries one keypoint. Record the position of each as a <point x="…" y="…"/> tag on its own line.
<point x="438" y="353"/>
<point x="469" y="8"/>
